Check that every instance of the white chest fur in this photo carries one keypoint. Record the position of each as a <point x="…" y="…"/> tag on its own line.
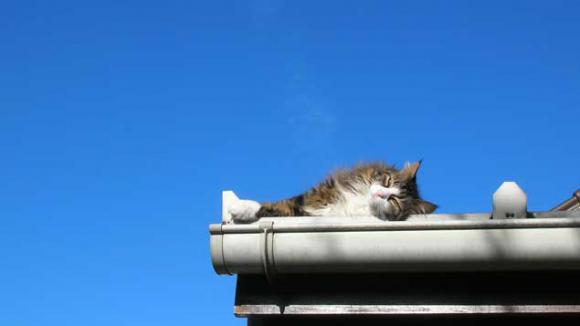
<point x="353" y="202"/>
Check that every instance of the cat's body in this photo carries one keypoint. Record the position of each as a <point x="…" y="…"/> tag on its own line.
<point x="370" y="189"/>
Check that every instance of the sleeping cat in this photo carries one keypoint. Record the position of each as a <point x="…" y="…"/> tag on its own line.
<point x="369" y="189"/>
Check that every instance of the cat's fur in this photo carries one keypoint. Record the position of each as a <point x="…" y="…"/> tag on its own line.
<point x="369" y="189"/>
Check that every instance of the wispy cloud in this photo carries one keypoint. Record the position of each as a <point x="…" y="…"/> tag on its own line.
<point x="264" y="10"/>
<point x="312" y="124"/>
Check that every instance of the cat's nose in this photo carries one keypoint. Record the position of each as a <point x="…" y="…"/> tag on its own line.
<point x="383" y="192"/>
<point x="380" y="191"/>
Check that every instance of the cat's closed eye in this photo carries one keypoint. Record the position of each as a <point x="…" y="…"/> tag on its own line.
<point x="388" y="181"/>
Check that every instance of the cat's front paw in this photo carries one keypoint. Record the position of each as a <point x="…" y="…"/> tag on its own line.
<point x="244" y="211"/>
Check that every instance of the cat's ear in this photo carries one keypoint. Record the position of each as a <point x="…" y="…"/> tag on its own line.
<point x="425" y="207"/>
<point x="409" y="171"/>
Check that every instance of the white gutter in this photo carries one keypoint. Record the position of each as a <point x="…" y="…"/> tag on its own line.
<point x="436" y="242"/>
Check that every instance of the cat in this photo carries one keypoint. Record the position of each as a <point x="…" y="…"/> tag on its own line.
<point x="374" y="189"/>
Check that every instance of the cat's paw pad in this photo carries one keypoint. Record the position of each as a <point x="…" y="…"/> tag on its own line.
<point x="244" y="211"/>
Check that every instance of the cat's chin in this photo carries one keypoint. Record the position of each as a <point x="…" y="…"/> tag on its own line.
<point x="380" y="207"/>
<point x="244" y="211"/>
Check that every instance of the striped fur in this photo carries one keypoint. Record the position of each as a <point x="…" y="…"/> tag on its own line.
<point x="368" y="189"/>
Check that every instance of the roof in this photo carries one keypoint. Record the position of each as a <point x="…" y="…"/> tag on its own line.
<point x="571" y="204"/>
<point x="365" y="266"/>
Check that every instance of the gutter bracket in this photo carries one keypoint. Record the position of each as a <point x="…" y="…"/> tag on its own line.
<point x="267" y="250"/>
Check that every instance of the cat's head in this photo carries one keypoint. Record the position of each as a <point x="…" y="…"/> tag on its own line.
<point x="405" y="199"/>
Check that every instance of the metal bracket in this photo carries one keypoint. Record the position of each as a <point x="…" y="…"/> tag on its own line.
<point x="267" y="250"/>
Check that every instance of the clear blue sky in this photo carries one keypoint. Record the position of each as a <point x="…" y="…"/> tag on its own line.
<point x="122" y="121"/>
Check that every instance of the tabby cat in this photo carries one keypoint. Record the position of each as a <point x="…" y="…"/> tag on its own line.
<point x="368" y="189"/>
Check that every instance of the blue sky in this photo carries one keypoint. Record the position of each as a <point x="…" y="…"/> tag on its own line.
<point x="122" y="121"/>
